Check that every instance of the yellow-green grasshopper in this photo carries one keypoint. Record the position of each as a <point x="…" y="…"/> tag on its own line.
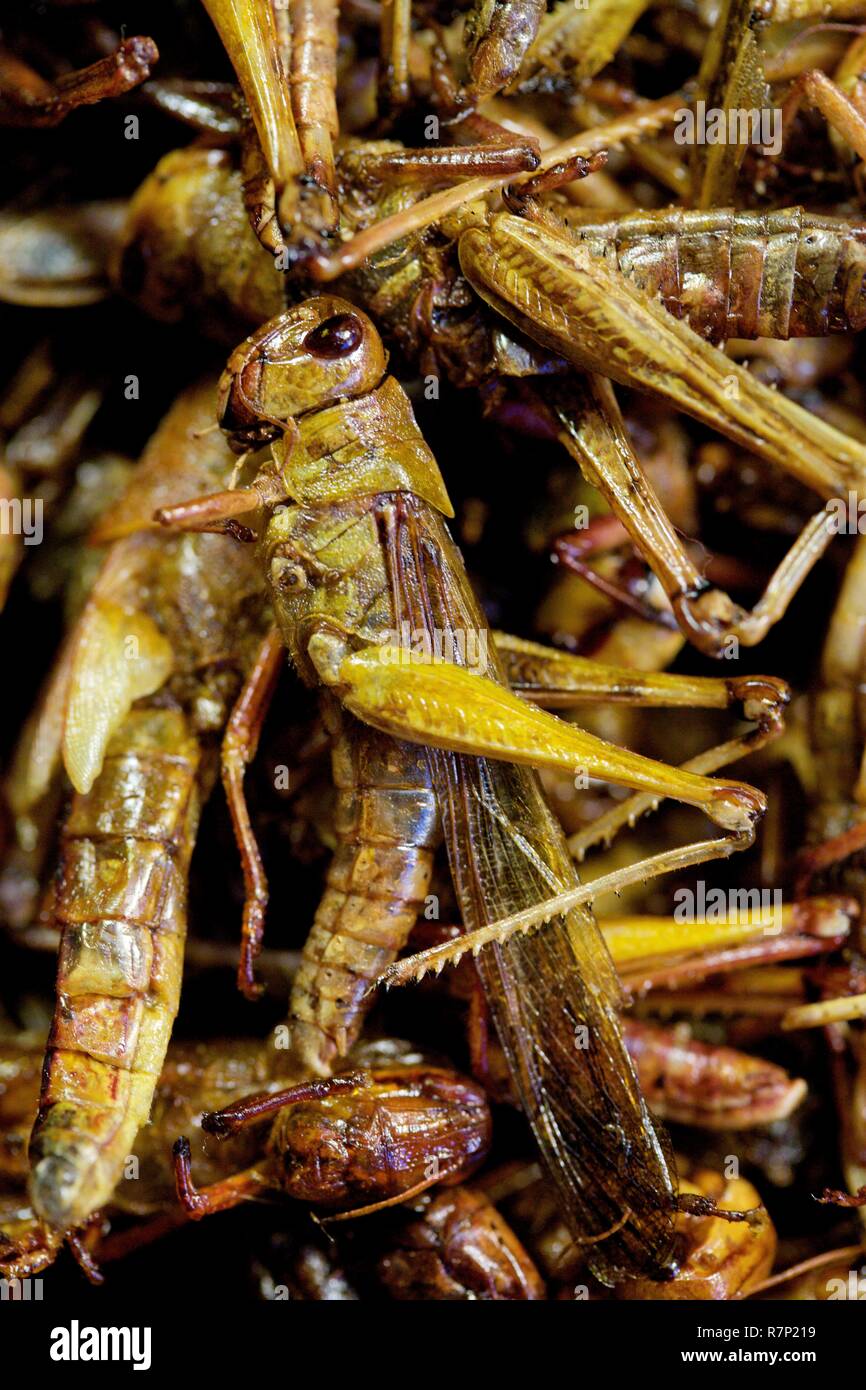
<point x="374" y="606"/>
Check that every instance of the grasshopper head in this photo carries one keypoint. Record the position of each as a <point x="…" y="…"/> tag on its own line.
<point x="313" y="355"/>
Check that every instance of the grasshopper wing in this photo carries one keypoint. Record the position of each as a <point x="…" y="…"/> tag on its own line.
<point x="554" y="994"/>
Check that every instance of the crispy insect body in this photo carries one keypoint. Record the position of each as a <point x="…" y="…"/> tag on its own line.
<point x="118" y="980"/>
<point x="387" y="1134"/>
<point x="369" y="1136"/>
<point x="383" y="1129"/>
<point x="782" y="274"/>
<point x="172" y="254"/>
<point x="382" y="1139"/>
<point x="497" y="36"/>
<point x="187" y="247"/>
<point x="574" y="304"/>
<point x="361" y="552"/>
<point x="730" y="274"/>
<point x="142" y="773"/>
<point x="196" y="1077"/>
<point x="459" y="1248"/>
<point x="695" y="1083"/>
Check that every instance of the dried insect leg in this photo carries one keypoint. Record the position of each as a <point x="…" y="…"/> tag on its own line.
<point x="661" y="953"/>
<point x="413" y="700"/>
<point x="845" y="118"/>
<point x="26" y="99"/>
<point x="238" y="750"/>
<point x="731" y="80"/>
<point x="395" y="31"/>
<point x="620" y="333"/>
<point x="285" y="59"/>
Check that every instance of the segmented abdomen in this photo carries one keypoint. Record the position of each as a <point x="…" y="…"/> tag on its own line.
<point x="781" y="274"/>
<point x="387" y="827"/>
<point x="121" y="909"/>
<point x="120" y="898"/>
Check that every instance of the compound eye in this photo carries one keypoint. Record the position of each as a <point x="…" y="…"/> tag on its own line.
<point x="336" y="337"/>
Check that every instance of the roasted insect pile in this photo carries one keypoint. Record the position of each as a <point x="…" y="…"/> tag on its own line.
<point x="432" y="493"/>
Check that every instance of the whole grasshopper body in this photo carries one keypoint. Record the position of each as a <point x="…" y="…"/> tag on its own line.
<point x="140" y="695"/>
<point x="361" y="567"/>
<point x="388" y="1133"/>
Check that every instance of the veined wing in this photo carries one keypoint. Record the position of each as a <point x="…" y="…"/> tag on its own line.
<point x="554" y="995"/>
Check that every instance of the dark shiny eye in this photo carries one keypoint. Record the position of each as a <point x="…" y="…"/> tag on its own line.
<point x="336" y="337"/>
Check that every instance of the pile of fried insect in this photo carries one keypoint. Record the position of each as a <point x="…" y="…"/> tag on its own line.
<point x="434" y="456"/>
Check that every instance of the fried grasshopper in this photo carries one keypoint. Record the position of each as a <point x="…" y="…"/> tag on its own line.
<point x="134" y="710"/>
<point x="355" y="548"/>
<point x="595" y="294"/>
